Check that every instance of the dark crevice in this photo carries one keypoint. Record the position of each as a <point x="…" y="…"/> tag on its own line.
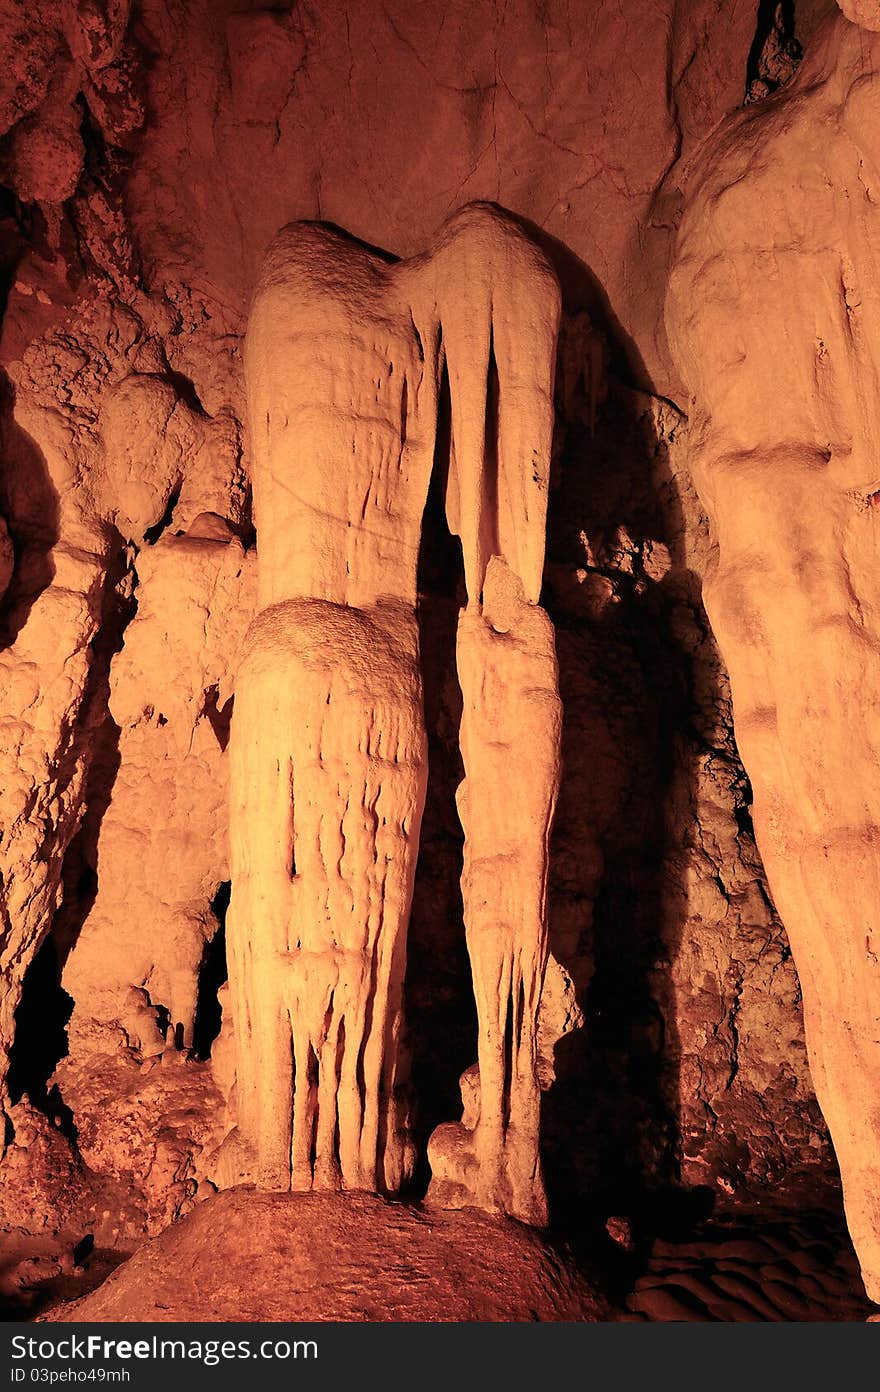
<point x="775" y="52"/>
<point x="105" y="166"/>
<point x="218" y="717"/>
<point x="743" y="814"/>
<point x="79" y="875"/>
<point x="491" y="487"/>
<point x="507" y="1054"/>
<point x="83" y="1249"/>
<point x="152" y="534"/>
<point x="213" y="975"/>
<point x="14" y="238"/>
<point x="95" y="158"/>
<point x="438" y="990"/>
<point x="40" y="1034"/>
<point x="163" y="1017"/>
<point x="186" y="390"/>
<point x="29" y="507"/>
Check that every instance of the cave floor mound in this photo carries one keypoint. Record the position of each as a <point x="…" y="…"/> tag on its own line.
<point x="244" y="1255"/>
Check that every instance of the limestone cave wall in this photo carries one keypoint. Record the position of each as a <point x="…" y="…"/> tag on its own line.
<point x="148" y="153"/>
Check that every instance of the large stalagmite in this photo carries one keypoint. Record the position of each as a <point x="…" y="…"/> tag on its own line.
<point x="773" y="316"/>
<point x="510" y="733"/>
<point x="344" y="361"/>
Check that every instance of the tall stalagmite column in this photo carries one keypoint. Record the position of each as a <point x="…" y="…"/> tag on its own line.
<point x="773" y="316"/>
<point x="344" y="358"/>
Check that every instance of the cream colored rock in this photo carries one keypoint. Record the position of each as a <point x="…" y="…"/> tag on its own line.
<point x="344" y="358"/>
<point x="163" y="868"/>
<point x="863" y="12"/>
<point x="773" y="313"/>
<point x="507" y="669"/>
<point x="156" y="448"/>
<point x="330" y="774"/>
<point x="73" y="469"/>
<point x="52" y="617"/>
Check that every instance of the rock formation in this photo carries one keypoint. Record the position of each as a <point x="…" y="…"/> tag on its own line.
<point x="328" y="1257"/>
<point x="344" y="361"/>
<point x="148" y="153"/>
<point x="772" y="314"/>
<point x="507" y="669"/>
<point x="130" y="474"/>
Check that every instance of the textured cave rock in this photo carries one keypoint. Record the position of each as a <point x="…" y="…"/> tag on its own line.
<point x="97" y="801"/>
<point x="346" y="354"/>
<point x="339" y="1257"/>
<point x="777" y="246"/>
<point x="148" y="157"/>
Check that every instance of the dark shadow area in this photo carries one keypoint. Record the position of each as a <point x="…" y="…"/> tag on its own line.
<point x="152" y="534"/>
<point x="440" y="1007"/>
<point x="29" y="509"/>
<point x="640" y="682"/>
<point x="15" y="233"/>
<point x="775" y="50"/>
<point x="213" y="975"/>
<point x="41" y="1035"/>
<point x="79" y="875"/>
<point x="610" y="1121"/>
<point x="218" y="717"/>
<point x="83" y="1249"/>
<point x="87" y="1268"/>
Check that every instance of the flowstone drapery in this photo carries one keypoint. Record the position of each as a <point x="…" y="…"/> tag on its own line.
<point x="344" y="359"/>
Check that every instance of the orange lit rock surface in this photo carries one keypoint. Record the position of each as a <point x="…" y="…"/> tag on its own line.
<point x="339" y="1257"/>
<point x="195" y="595"/>
<point x="510" y="735"/>
<point x="343" y="363"/>
<point x="771" y="315"/>
<point x="100" y="455"/>
<point x="147" y="155"/>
